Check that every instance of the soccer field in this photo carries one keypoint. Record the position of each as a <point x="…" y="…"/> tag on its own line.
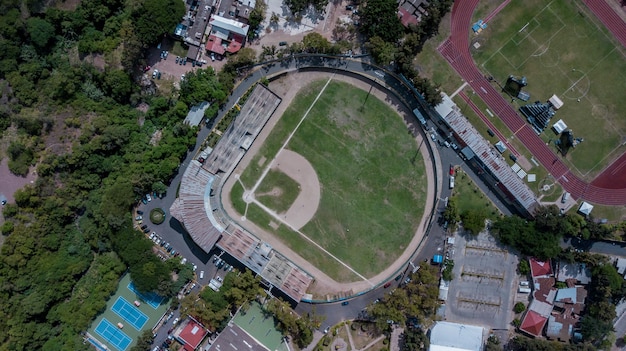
<point x="371" y="178"/>
<point x="562" y="49"/>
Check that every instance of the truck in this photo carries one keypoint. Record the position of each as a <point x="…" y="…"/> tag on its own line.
<point x="419" y="116"/>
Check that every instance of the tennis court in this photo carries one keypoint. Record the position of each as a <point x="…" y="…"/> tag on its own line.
<point x="129" y="313"/>
<point x="262" y="328"/>
<point x="113" y="335"/>
<point x="151" y="299"/>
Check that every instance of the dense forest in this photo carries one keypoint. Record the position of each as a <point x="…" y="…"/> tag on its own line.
<point x="69" y="237"/>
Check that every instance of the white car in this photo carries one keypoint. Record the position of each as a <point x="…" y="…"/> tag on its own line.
<point x="175" y="321"/>
<point x="138" y="218"/>
<point x="148" y="197"/>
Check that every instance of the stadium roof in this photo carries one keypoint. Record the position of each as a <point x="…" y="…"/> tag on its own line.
<point x="483" y="150"/>
<point x="446" y="336"/>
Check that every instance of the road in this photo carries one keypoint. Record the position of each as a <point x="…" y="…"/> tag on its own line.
<point x="172" y="231"/>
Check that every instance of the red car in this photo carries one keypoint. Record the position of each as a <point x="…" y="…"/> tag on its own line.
<point x="451" y="170"/>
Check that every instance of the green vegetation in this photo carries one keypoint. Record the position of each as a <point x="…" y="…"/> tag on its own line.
<point x="236" y="196"/>
<point x="69" y="235"/>
<point x="473" y="206"/>
<point x="519" y="307"/>
<point x="417" y="300"/>
<point x="522" y="343"/>
<point x="300" y="328"/>
<point x="414" y="339"/>
<point x="446" y="274"/>
<point x="214" y="308"/>
<point x="372" y="194"/>
<point x="563" y="50"/>
<point x="277" y="191"/>
<point x="157" y="216"/>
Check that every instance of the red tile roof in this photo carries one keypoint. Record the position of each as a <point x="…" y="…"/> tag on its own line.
<point x="192" y="334"/>
<point x="406" y="17"/>
<point x="540" y="268"/>
<point x="533" y="323"/>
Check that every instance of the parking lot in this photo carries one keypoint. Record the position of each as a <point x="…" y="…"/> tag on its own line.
<point x="483" y="289"/>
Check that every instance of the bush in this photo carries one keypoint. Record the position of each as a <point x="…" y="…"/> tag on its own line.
<point x="7" y="228"/>
<point x="519" y="307"/>
<point x="157" y="216"/>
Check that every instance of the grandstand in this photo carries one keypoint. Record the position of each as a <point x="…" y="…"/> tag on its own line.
<point x="198" y="206"/>
<point x="487" y="160"/>
<point x="538" y="115"/>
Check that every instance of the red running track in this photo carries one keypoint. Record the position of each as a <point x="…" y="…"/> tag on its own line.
<point x="607" y="189"/>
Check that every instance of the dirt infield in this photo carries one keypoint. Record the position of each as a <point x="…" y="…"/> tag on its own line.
<point x="299" y="169"/>
<point x="287" y="87"/>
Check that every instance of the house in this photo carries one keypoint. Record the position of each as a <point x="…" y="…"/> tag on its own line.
<point x="412" y="11"/>
<point x="574" y="272"/>
<point x="446" y="336"/>
<point x="568" y="305"/>
<point x="585" y="208"/>
<point x="190" y="334"/>
<point x="533" y="323"/>
<point x="227" y="35"/>
<point x="540" y="268"/>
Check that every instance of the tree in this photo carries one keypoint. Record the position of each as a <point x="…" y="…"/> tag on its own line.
<point x="451" y="213"/>
<point x="519" y="307"/>
<point x="380" y="18"/>
<point x="473" y="221"/>
<point x="523" y="267"/>
<point x="414" y="340"/>
<point x="202" y="85"/>
<point x="40" y="32"/>
<point x="382" y="51"/>
<point x="157" y="17"/>
<point x="315" y="43"/>
<point x="144" y="341"/>
<point x="118" y="85"/>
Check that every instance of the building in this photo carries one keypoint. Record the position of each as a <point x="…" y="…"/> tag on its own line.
<point x="190" y="334"/>
<point x="585" y="208"/>
<point x="573" y="273"/>
<point x="411" y="12"/>
<point x="555" y="102"/>
<point x="446" y="336"/>
<point x="196" y="114"/>
<point x="227" y="35"/>
<point x="533" y="323"/>
<point x="198" y="206"/>
<point x="559" y="127"/>
<point x="540" y="268"/>
<point x="487" y="161"/>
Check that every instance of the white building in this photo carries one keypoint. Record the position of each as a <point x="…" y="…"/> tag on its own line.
<point x="446" y="336"/>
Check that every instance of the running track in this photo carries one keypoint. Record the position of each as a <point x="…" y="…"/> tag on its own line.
<point x="609" y="188"/>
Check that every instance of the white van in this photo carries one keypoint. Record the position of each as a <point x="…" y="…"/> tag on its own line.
<point x="201" y="274"/>
<point x="451" y="182"/>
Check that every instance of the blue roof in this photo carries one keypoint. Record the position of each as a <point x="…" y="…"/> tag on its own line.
<point x="567" y="293"/>
<point x="437" y="258"/>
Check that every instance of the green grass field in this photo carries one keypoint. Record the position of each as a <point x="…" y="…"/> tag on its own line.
<point x="372" y="194"/>
<point x="469" y="197"/>
<point x="277" y="191"/>
<point x="563" y="50"/>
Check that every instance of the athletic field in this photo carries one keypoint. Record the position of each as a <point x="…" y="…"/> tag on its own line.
<point x="371" y="177"/>
<point x="562" y="49"/>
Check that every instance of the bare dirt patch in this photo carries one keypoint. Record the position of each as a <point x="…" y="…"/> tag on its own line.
<point x="299" y="169"/>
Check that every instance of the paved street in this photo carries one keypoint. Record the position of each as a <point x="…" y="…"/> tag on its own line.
<point x="172" y="232"/>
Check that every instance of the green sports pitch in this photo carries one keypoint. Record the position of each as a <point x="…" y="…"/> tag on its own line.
<point x="563" y="49"/>
<point x="371" y="174"/>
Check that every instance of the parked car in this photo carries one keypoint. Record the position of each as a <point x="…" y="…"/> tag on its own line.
<point x="345" y="303"/>
<point x="212" y="57"/>
<point x="154" y="73"/>
<point x="201" y="274"/>
<point x="146" y="230"/>
<point x="175" y="321"/>
<point x="148" y="197"/>
<point x="144" y="226"/>
<point x="138" y="218"/>
<point x="139" y="212"/>
<point x="177" y="59"/>
<point x="282" y="43"/>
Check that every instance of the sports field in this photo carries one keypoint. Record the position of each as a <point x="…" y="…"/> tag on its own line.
<point x="371" y="179"/>
<point x="562" y="49"/>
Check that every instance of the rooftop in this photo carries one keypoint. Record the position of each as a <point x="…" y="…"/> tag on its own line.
<point x="540" y="268"/>
<point x="488" y="155"/>
<point x="533" y="323"/>
<point x="192" y="334"/>
<point x="446" y="336"/>
<point x="578" y="271"/>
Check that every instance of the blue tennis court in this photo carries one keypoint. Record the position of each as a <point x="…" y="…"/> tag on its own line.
<point x="113" y="335"/>
<point x="129" y="313"/>
<point x="151" y="298"/>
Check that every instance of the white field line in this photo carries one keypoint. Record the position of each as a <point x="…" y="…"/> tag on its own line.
<point x="277" y="217"/>
<point x="269" y="165"/>
<point x="458" y="90"/>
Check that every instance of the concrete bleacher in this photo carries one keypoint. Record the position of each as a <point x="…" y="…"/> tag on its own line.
<point x="199" y="208"/>
<point x="257" y="110"/>
<point x="509" y="180"/>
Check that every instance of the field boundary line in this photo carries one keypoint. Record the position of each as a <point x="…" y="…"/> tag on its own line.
<point x="269" y="165"/>
<point x="277" y="217"/>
